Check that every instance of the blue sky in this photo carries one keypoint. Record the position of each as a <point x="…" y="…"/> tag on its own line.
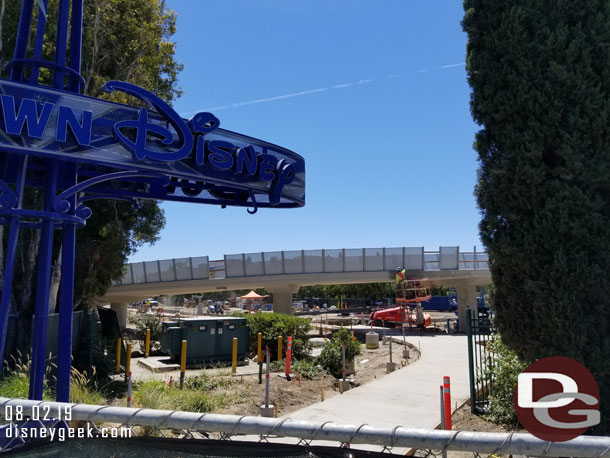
<point x="372" y="94"/>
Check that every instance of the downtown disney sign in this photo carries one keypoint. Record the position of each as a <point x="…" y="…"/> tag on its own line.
<point x="192" y="161"/>
<point x="74" y="149"/>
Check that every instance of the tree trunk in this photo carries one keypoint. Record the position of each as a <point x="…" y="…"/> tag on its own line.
<point x="55" y="281"/>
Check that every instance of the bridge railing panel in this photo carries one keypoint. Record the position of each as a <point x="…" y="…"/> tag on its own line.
<point x="373" y="259"/>
<point x="273" y="262"/>
<point x="234" y="265"/>
<point x="432" y="260"/>
<point x="183" y="269"/>
<point x="354" y="259"/>
<point x="254" y="265"/>
<point x="449" y="257"/>
<point x="152" y="272"/>
<point x="481" y="261"/>
<point x="313" y="261"/>
<point x="166" y="270"/>
<point x="201" y="268"/>
<point x="333" y="261"/>
<point x="394" y="257"/>
<point x="414" y="258"/>
<point x="137" y="269"/>
<point x="293" y="262"/>
<point x="466" y="261"/>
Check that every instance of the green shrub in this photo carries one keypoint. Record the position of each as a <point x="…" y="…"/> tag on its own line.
<point x="205" y="382"/>
<point x="503" y="376"/>
<point x="272" y="325"/>
<point x="200" y="394"/>
<point x="331" y="357"/>
<point x="144" y="321"/>
<point x="305" y="368"/>
<point x="83" y="389"/>
<point x="15" y="382"/>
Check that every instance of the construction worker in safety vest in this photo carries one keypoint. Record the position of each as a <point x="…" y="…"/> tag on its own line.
<point x="400" y="281"/>
<point x="400" y="275"/>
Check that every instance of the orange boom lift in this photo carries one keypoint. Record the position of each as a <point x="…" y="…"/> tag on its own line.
<point x="409" y="293"/>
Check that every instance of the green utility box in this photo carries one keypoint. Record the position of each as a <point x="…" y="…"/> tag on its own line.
<point x="209" y="340"/>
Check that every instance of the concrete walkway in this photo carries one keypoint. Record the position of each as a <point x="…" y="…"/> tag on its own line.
<point x="408" y="397"/>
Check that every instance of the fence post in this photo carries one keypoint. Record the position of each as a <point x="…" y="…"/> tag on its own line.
<point x="447" y="402"/>
<point x="234" y="357"/>
<point x="470" y="359"/>
<point x="117" y="367"/>
<point x="288" y="356"/>
<point x="443" y="419"/>
<point x="129" y="389"/>
<point x="147" y="344"/>
<point x="182" y="363"/>
<point x="267" y="380"/>
<point x="92" y="324"/>
<point x="128" y="361"/>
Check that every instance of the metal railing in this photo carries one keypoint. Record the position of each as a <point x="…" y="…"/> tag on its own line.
<point x="343" y="434"/>
<point x="340" y="260"/>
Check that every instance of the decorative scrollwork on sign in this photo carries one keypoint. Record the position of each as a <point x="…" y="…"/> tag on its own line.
<point x="133" y="201"/>
<point x="62" y="204"/>
<point x="254" y="205"/>
<point x="8" y="198"/>
<point x="82" y="211"/>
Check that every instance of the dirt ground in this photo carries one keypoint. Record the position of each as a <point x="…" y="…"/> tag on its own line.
<point x="301" y="392"/>
<point x="464" y="420"/>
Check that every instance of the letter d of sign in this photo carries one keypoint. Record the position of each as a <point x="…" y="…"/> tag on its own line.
<point x="142" y="126"/>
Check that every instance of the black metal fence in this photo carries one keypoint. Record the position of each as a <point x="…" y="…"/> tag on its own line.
<point x="481" y="358"/>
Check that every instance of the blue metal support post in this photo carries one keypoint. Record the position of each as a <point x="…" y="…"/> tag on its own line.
<point x="41" y="313"/>
<point x="66" y="300"/>
<point x="9" y="260"/>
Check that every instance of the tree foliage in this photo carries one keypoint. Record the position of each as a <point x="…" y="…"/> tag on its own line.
<point x="540" y="75"/>
<point x="372" y="291"/>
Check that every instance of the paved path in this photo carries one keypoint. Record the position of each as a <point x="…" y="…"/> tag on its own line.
<point x="408" y="397"/>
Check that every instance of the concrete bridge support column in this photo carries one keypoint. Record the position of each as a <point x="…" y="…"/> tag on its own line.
<point x="282" y="297"/>
<point x="467" y="297"/>
<point x="121" y="313"/>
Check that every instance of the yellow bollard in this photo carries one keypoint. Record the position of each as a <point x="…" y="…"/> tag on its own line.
<point x="234" y="359"/>
<point x="117" y="368"/>
<point x="182" y="363"/>
<point x="147" y="344"/>
<point x="280" y="341"/>
<point x="128" y="361"/>
<point x="259" y="348"/>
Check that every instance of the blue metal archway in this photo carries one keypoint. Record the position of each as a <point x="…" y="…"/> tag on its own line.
<point x="77" y="148"/>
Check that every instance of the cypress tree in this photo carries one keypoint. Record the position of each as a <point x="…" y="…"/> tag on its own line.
<point x="540" y="76"/>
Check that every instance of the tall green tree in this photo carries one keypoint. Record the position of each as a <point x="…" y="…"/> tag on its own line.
<point x="540" y="78"/>
<point x="127" y="40"/>
<point x="371" y="291"/>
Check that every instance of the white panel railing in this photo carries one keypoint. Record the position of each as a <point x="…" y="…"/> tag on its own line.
<point x="304" y="262"/>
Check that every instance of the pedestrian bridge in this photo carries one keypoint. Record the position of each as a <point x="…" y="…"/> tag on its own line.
<point x="283" y="272"/>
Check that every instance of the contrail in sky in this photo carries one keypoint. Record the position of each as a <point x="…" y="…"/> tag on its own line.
<point x="311" y="91"/>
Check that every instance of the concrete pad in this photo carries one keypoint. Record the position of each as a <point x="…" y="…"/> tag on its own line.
<point x="158" y="364"/>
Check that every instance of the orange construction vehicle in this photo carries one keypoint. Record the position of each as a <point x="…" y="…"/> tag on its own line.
<point x="409" y="293"/>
